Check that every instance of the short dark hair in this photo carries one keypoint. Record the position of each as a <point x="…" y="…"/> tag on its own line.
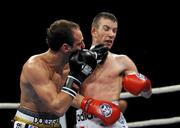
<point x="105" y="15"/>
<point x="59" y="32"/>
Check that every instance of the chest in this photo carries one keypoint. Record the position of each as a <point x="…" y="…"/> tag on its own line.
<point x="109" y="71"/>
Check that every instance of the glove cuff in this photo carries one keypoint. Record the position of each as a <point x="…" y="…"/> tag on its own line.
<point x="85" y="103"/>
<point x="70" y="80"/>
<point x="69" y="91"/>
<point x="69" y="87"/>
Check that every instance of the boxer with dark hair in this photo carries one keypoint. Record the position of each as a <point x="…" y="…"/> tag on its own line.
<point x="46" y="91"/>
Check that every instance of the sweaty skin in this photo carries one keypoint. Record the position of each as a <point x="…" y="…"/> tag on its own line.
<point x="105" y="83"/>
<point x="42" y="78"/>
<point x="107" y="78"/>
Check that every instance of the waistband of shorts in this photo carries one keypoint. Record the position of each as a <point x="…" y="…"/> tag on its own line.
<point x="28" y="113"/>
<point x="37" y="119"/>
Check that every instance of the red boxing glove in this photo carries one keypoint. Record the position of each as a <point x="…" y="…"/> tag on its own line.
<point x="135" y="83"/>
<point x="108" y="112"/>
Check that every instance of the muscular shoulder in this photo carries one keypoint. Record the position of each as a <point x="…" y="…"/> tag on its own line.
<point x="125" y="61"/>
<point x="34" y="65"/>
<point x="34" y="61"/>
<point x="120" y="58"/>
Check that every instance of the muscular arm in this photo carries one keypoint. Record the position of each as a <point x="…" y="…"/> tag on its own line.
<point x="135" y="82"/>
<point x="77" y="101"/>
<point x="38" y="77"/>
<point x="129" y="65"/>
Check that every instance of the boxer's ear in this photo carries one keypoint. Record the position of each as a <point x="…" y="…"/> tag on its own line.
<point x="93" y="31"/>
<point x="66" y="48"/>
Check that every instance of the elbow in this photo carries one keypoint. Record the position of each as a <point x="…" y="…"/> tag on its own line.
<point x="59" y="114"/>
<point x="58" y="109"/>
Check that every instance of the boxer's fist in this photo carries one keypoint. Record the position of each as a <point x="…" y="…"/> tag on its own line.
<point x="136" y="83"/>
<point x="108" y="112"/>
<point x="82" y="63"/>
<point x="101" y="52"/>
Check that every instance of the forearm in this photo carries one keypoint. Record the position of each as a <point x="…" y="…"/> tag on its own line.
<point x="62" y="100"/>
<point x="60" y="104"/>
<point x="77" y="101"/>
<point x="123" y="105"/>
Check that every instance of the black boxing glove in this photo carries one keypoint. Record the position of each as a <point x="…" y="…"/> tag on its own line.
<point x="81" y="63"/>
<point x="101" y="52"/>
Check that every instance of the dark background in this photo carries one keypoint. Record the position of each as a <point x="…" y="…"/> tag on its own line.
<point x="148" y="33"/>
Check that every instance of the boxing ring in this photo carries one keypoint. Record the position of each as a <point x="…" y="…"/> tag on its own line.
<point x="125" y="95"/>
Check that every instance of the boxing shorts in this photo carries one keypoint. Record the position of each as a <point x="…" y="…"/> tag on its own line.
<point x="25" y="118"/>
<point x="84" y="120"/>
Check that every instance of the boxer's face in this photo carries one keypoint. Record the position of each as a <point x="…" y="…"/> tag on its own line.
<point x="78" y="43"/>
<point x="106" y="32"/>
<point x="78" y="40"/>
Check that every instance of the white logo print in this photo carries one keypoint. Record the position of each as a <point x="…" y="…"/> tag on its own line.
<point x="106" y="110"/>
